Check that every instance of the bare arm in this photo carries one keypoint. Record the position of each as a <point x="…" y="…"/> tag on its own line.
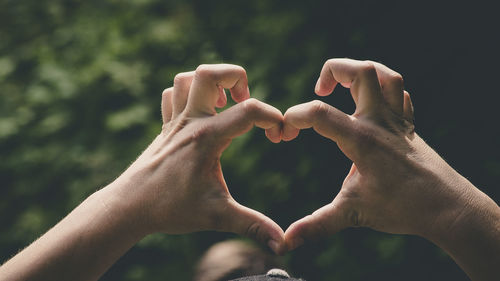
<point x="397" y="183"/>
<point x="176" y="186"/>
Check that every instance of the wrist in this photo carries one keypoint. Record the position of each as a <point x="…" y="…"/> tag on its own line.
<point x="469" y="231"/>
<point x="122" y="212"/>
<point x="459" y="213"/>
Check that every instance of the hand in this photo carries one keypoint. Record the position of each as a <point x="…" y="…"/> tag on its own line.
<point x="177" y="186"/>
<point x="397" y="183"/>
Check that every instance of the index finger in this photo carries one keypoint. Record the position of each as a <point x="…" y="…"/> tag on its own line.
<point x="359" y="76"/>
<point x="207" y="83"/>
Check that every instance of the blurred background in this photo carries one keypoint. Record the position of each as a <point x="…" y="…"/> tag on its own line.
<point x="80" y="90"/>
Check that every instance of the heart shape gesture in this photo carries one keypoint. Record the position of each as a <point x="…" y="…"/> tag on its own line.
<point x="397" y="183"/>
<point x="185" y="185"/>
<point x="180" y="171"/>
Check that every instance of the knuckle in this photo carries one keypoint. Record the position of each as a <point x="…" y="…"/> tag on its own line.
<point x="201" y="134"/>
<point x="353" y="217"/>
<point x="351" y="213"/>
<point x="240" y="70"/>
<point x="329" y="62"/>
<point x="182" y="78"/>
<point x="251" y="106"/>
<point x="318" y="109"/>
<point x="253" y="231"/>
<point x="396" y="79"/>
<point x="204" y="71"/>
<point x="367" y="68"/>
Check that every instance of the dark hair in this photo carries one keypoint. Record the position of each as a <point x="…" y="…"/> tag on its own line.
<point x="234" y="259"/>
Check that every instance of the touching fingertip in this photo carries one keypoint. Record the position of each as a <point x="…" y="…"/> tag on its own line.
<point x="274" y="134"/>
<point x="289" y="133"/>
<point x="275" y="246"/>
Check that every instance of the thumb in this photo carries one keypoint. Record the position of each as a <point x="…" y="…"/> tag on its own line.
<point x="324" y="222"/>
<point x="250" y="223"/>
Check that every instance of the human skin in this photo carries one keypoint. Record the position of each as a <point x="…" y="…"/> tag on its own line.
<point x="397" y="183"/>
<point x="176" y="186"/>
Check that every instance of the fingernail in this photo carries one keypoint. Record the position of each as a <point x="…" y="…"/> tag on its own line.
<point x="275" y="246"/>
<point x="316" y="88"/>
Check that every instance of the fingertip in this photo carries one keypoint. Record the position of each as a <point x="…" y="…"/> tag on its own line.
<point x="326" y="83"/>
<point x="222" y="100"/>
<point x="274" y="134"/>
<point x="289" y="133"/>
<point x="316" y="88"/>
<point x="294" y="243"/>
<point x="322" y="93"/>
<point x="278" y="248"/>
<point x="324" y="90"/>
<point x="321" y="90"/>
<point x="293" y="239"/>
<point x="240" y="94"/>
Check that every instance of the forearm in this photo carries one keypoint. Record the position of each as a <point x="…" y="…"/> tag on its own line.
<point x="470" y="234"/>
<point x="80" y="247"/>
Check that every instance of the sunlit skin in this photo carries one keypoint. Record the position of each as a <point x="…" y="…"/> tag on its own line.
<point x="176" y="186"/>
<point x="397" y="183"/>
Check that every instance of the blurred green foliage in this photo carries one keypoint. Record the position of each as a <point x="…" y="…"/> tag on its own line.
<point x="80" y="88"/>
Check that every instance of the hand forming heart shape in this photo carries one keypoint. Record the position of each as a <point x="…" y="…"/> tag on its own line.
<point x="396" y="184"/>
<point x="378" y="138"/>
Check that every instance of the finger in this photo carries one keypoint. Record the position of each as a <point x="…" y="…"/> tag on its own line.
<point x="166" y="105"/>
<point x="245" y="221"/>
<point x="361" y="76"/>
<point x="182" y="84"/>
<point x="392" y="86"/>
<point x="222" y="101"/>
<point x="408" y="112"/>
<point x="324" y="222"/>
<point x="326" y="120"/>
<point x="240" y="118"/>
<point x="205" y="93"/>
<point x="274" y="133"/>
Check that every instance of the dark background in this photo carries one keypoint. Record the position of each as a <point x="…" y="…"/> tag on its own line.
<point x="80" y="90"/>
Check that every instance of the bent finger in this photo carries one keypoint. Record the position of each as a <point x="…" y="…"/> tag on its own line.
<point x="392" y="86"/>
<point x="205" y="89"/>
<point x="222" y="100"/>
<point x="182" y="84"/>
<point x="360" y="76"/>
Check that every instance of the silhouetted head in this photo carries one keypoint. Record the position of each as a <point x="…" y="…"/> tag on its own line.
<point x="238" y="259"/>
